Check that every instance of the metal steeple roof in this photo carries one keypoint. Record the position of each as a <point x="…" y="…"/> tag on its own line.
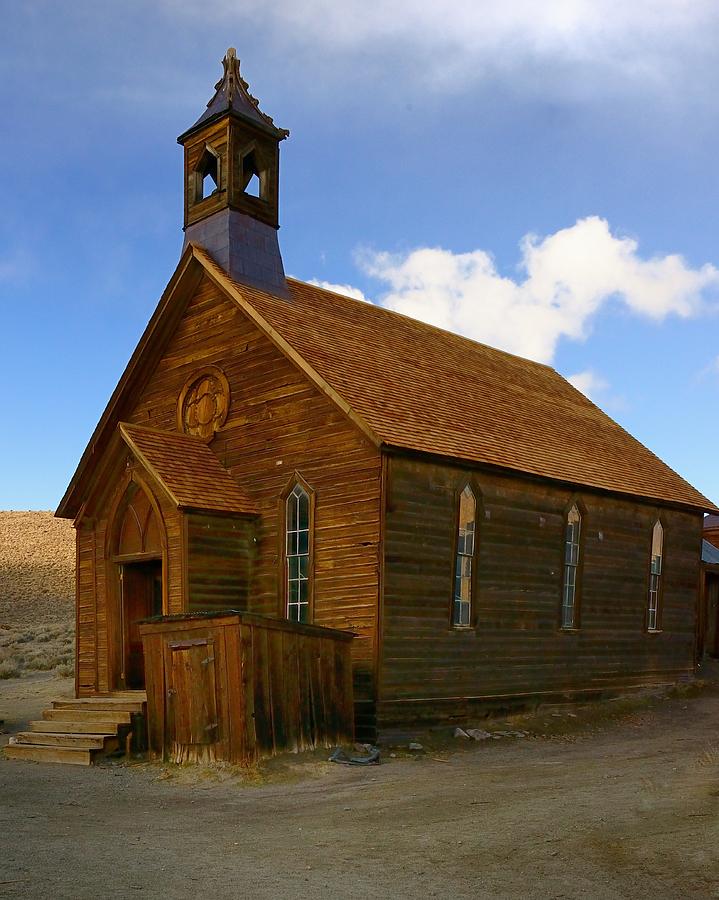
<point x="232" y="95"/>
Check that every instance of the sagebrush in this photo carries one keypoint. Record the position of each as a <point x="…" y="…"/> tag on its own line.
<point x="37" y="648"/>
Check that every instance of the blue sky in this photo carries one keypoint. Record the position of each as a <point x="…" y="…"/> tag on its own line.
<point x="539" y="176"/>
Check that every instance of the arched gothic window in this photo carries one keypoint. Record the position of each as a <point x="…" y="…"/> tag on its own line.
<point x="655" y="577"/>
<point x="298" y="551"/>
<point x="464" y="561"/>
<point x="571" y="567"/>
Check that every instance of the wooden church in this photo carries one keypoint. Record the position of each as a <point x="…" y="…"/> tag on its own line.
<point x="325" y="468"/>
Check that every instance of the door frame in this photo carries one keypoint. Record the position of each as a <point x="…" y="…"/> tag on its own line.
<point x="113" y="562"/>
<point x="120" y="564"/>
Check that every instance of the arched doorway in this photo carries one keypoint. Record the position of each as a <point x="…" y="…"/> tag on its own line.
<point x="137" y="553"/>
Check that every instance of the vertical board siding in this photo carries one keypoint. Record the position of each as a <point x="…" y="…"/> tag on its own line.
<point x="102" y="623"/>
<point x="86" y="649"/>
<point x="280" y="423"/>
<point x="219" y="561"/>
<point x="279" y="686"/>
<point x="517" y="646"/>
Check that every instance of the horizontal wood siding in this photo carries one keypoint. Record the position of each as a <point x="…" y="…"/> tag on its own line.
<point x="85" y="646"/>
<point x="279" y="423"/>
<point x="517" y="646"/>
<point x="219" y="562"/>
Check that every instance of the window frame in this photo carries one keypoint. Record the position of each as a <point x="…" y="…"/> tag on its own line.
<point x="577" y="502"/>
<point x="283" y="592"/>
<point x="474" y="584"/>
<point x="658" y="627"/>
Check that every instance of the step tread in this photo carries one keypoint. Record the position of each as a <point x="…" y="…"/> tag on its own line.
<point x="54" y="726"/>
<point x="88" y="715"/>
<point x="60" y="739"/>
<point x="101" y="704"/>
<point x="41" y="753"/>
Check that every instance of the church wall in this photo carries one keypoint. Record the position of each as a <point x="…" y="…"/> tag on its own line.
<point x="517" y="647"/>
<point x="279" y="424"/>
<point x="220" y="554"/>
<point x="86" y="612"/>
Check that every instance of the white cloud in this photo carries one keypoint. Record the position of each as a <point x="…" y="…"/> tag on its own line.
<point x="589" y="383"/>
<point x="345" y="289"/>
<point x="622" y="44"/>
<point x="567" y="278"/>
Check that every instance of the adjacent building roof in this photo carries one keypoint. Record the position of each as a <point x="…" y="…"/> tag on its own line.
<point x="187" y="469"/>
<point x="710" y="554"/>
<point x="711" y="522"/>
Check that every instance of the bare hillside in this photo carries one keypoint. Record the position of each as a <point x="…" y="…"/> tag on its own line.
<point x="37" y="568"/>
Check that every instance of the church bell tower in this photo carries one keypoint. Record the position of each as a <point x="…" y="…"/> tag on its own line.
<point x="232" y="170"/>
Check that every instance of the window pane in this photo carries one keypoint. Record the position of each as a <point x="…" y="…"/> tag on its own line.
<point x="292" y="513"/>
<point x="303" y="542"/>
<point x="303" y="503"/>
<point x="466" y="525"/>
<point x="291" y="542"/>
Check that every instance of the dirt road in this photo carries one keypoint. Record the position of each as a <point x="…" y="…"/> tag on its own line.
<point x="625" y="806"/>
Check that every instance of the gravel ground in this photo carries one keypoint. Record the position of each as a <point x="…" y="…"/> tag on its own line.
<point x="611" y="800"/>
<point x="615" y="800"/>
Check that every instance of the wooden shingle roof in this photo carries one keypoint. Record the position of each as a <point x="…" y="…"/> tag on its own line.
<point x="420" y="388"/>
<point x="407" y="385"/>
<point x="187" y="469"/>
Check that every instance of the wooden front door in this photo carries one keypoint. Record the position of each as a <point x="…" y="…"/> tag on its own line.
<point x="141" y="598"/>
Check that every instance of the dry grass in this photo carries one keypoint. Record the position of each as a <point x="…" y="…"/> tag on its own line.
<point x="37" y="648"/>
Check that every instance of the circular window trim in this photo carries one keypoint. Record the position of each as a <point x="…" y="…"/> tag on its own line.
<point x="215" y="372"/>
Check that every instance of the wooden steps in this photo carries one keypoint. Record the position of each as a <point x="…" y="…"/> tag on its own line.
<point x="86" y="715"/>
<point x="54" y="727"/>
<point x="76" y="732"/>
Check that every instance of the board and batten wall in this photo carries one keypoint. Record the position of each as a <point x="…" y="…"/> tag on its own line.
<point x="430" y="672"/>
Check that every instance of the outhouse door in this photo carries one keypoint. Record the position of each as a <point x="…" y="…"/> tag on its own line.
<point x="190" y="680"/>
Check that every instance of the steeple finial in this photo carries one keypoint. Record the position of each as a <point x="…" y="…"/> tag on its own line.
<point x="232" y="94"/>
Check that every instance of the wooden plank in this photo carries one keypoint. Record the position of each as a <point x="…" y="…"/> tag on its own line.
<point x="248" y="691"/>
<point x="49" y="754"/>
<point x="83" y="715"/>
<point x="53" y="726"/>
